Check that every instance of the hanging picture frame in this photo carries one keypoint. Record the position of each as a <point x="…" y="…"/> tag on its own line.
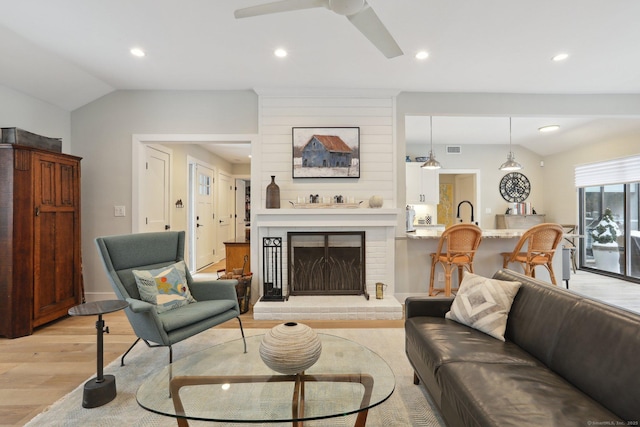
<point x="326" y="152"/>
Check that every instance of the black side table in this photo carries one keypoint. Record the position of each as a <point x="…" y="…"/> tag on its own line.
<point x="101" y="389"/>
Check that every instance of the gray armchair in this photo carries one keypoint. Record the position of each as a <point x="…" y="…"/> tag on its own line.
<point x="216" y="299"/>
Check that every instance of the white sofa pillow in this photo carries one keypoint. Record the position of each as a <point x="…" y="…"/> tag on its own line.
<point x="484" y="304"/>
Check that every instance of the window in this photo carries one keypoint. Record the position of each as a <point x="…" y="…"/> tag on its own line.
<point x="204" y="186"/>
<point x="609" y="209"/>
<point x="634" y="230"/>
<point x="603" y="225"/>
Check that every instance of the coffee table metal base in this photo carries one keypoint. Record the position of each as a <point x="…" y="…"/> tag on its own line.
<point x="297" y="404"/>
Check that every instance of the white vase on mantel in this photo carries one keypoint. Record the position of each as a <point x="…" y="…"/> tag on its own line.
<point x="607" y="256"/>
<point x="375" y="201"/>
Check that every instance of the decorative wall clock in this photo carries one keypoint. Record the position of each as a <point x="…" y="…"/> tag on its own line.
<point x="515" y="187"/>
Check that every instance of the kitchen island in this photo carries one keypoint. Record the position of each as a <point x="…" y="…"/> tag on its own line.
<point x="487" y="261"/>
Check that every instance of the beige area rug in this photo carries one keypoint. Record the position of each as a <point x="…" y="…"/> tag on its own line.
<point x="409" y="405"/>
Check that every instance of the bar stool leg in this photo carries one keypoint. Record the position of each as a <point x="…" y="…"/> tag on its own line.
<point x="433" y="273"/>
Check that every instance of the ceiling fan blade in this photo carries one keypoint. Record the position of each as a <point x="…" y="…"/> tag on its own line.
<point x="370" y="25"/>
<point x="279" y="6"/>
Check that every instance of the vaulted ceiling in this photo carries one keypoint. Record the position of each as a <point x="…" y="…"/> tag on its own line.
<point x="71" y="52"/>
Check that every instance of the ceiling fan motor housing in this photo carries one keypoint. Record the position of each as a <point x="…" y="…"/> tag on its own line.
<point x="346" y="7"/>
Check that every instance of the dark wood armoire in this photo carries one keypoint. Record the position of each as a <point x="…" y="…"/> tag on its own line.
<point x="40" y="261"/>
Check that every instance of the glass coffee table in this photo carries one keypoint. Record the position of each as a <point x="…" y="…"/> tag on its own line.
<point x="224" y="384"/>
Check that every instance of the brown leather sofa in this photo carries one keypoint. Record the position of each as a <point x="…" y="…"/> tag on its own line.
<point x="567" y="361"/>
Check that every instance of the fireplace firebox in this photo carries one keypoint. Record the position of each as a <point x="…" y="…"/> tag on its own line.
<point x="326" y="263"/>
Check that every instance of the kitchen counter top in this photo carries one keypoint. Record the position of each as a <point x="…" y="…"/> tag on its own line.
<point x="488" y="258"/>
<point x="488" y="233"/>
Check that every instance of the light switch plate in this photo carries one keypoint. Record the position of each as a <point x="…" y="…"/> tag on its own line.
<point x="118" y="211"/>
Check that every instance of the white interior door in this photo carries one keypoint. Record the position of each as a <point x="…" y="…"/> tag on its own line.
<point x="226" y="206"/>
<point x="239" y="211"/>
<point x="155" y="190"/>
<point x="204" y="213"/>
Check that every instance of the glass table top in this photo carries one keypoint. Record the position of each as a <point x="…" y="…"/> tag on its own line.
<point x="226" y="385"/>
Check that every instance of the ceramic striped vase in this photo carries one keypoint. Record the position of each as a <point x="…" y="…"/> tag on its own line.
<point x="290" y="348"/>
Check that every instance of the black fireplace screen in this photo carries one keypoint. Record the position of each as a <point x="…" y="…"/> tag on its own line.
<point x="326" y="263"/>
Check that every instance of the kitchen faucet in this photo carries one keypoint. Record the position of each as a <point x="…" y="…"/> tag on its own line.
<point x="458" y="212"/>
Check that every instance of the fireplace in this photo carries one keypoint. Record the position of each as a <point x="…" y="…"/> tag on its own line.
<point x="378" y="259"/>
<point x="326" y="263"/>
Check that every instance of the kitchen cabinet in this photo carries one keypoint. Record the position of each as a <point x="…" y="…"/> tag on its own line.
<point x="422" y="185"/>
<point x="518" y="221"/>
<point x="39" y="237"/>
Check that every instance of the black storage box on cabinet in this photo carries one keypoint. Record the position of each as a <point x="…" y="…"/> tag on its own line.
<point x="23" y="137"/>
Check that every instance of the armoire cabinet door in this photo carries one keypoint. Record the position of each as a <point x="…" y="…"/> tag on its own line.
<point x="56" y="252"/>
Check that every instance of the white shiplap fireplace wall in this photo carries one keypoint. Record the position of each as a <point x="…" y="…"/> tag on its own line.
<point x="374" y="113"/>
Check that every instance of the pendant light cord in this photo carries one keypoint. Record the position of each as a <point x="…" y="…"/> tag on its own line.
<point x="510" y="150"/>
<point x="431" y="135"/>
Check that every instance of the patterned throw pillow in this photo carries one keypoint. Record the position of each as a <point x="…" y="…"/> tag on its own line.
<point x="165" y="287"/>
<point x="484" y="304"/>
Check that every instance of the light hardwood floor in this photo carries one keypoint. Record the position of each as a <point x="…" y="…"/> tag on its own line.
<point x="37" y="370"/>
<point x="612" y="291"/>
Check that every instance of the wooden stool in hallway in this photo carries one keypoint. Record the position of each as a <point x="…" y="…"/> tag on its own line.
<point x="456" y="249"/>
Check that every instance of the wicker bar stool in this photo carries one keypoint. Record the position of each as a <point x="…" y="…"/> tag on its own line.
<point x="570" y="243"/>
<point x="542" y="241"/>
<point x="456" y="249"/>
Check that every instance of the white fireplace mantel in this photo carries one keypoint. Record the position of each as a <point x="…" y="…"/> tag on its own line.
<point x="327" y="217"/>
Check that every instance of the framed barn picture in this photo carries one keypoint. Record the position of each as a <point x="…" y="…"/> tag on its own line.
<point x="326" y="152"/>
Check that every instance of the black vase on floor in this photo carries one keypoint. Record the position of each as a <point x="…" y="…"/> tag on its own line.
<point x="273" y="194"/>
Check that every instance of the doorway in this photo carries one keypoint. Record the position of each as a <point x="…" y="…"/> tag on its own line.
<point x="456" y="186"/>
<point x="156" y="189"/>
<point x="242" y="201"/>
<point x="139" y="143"/>
<point x="201" y="215"/>
<point x="226" y="210"/>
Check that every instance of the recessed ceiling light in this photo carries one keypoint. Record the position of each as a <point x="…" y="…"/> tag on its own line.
<point x="423" y="54"/>
<point x="549" y="128"/>
<point x="280" y="53"/>
<point x="136" y="51"/>
<point x="560" y="57"/>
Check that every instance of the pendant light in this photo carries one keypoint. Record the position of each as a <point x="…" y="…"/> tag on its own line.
<point x="431" y="162"/>
<point x="510" y="164"/>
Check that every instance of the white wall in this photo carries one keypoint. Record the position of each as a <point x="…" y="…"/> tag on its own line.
<point x="560" y="168"/>
<point x="102" y="134"/>
<point x="24" y="112"/>
<point x="373" y="112"/>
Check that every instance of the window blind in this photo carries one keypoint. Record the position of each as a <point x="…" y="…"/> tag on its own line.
<point x="618" y="171"/>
